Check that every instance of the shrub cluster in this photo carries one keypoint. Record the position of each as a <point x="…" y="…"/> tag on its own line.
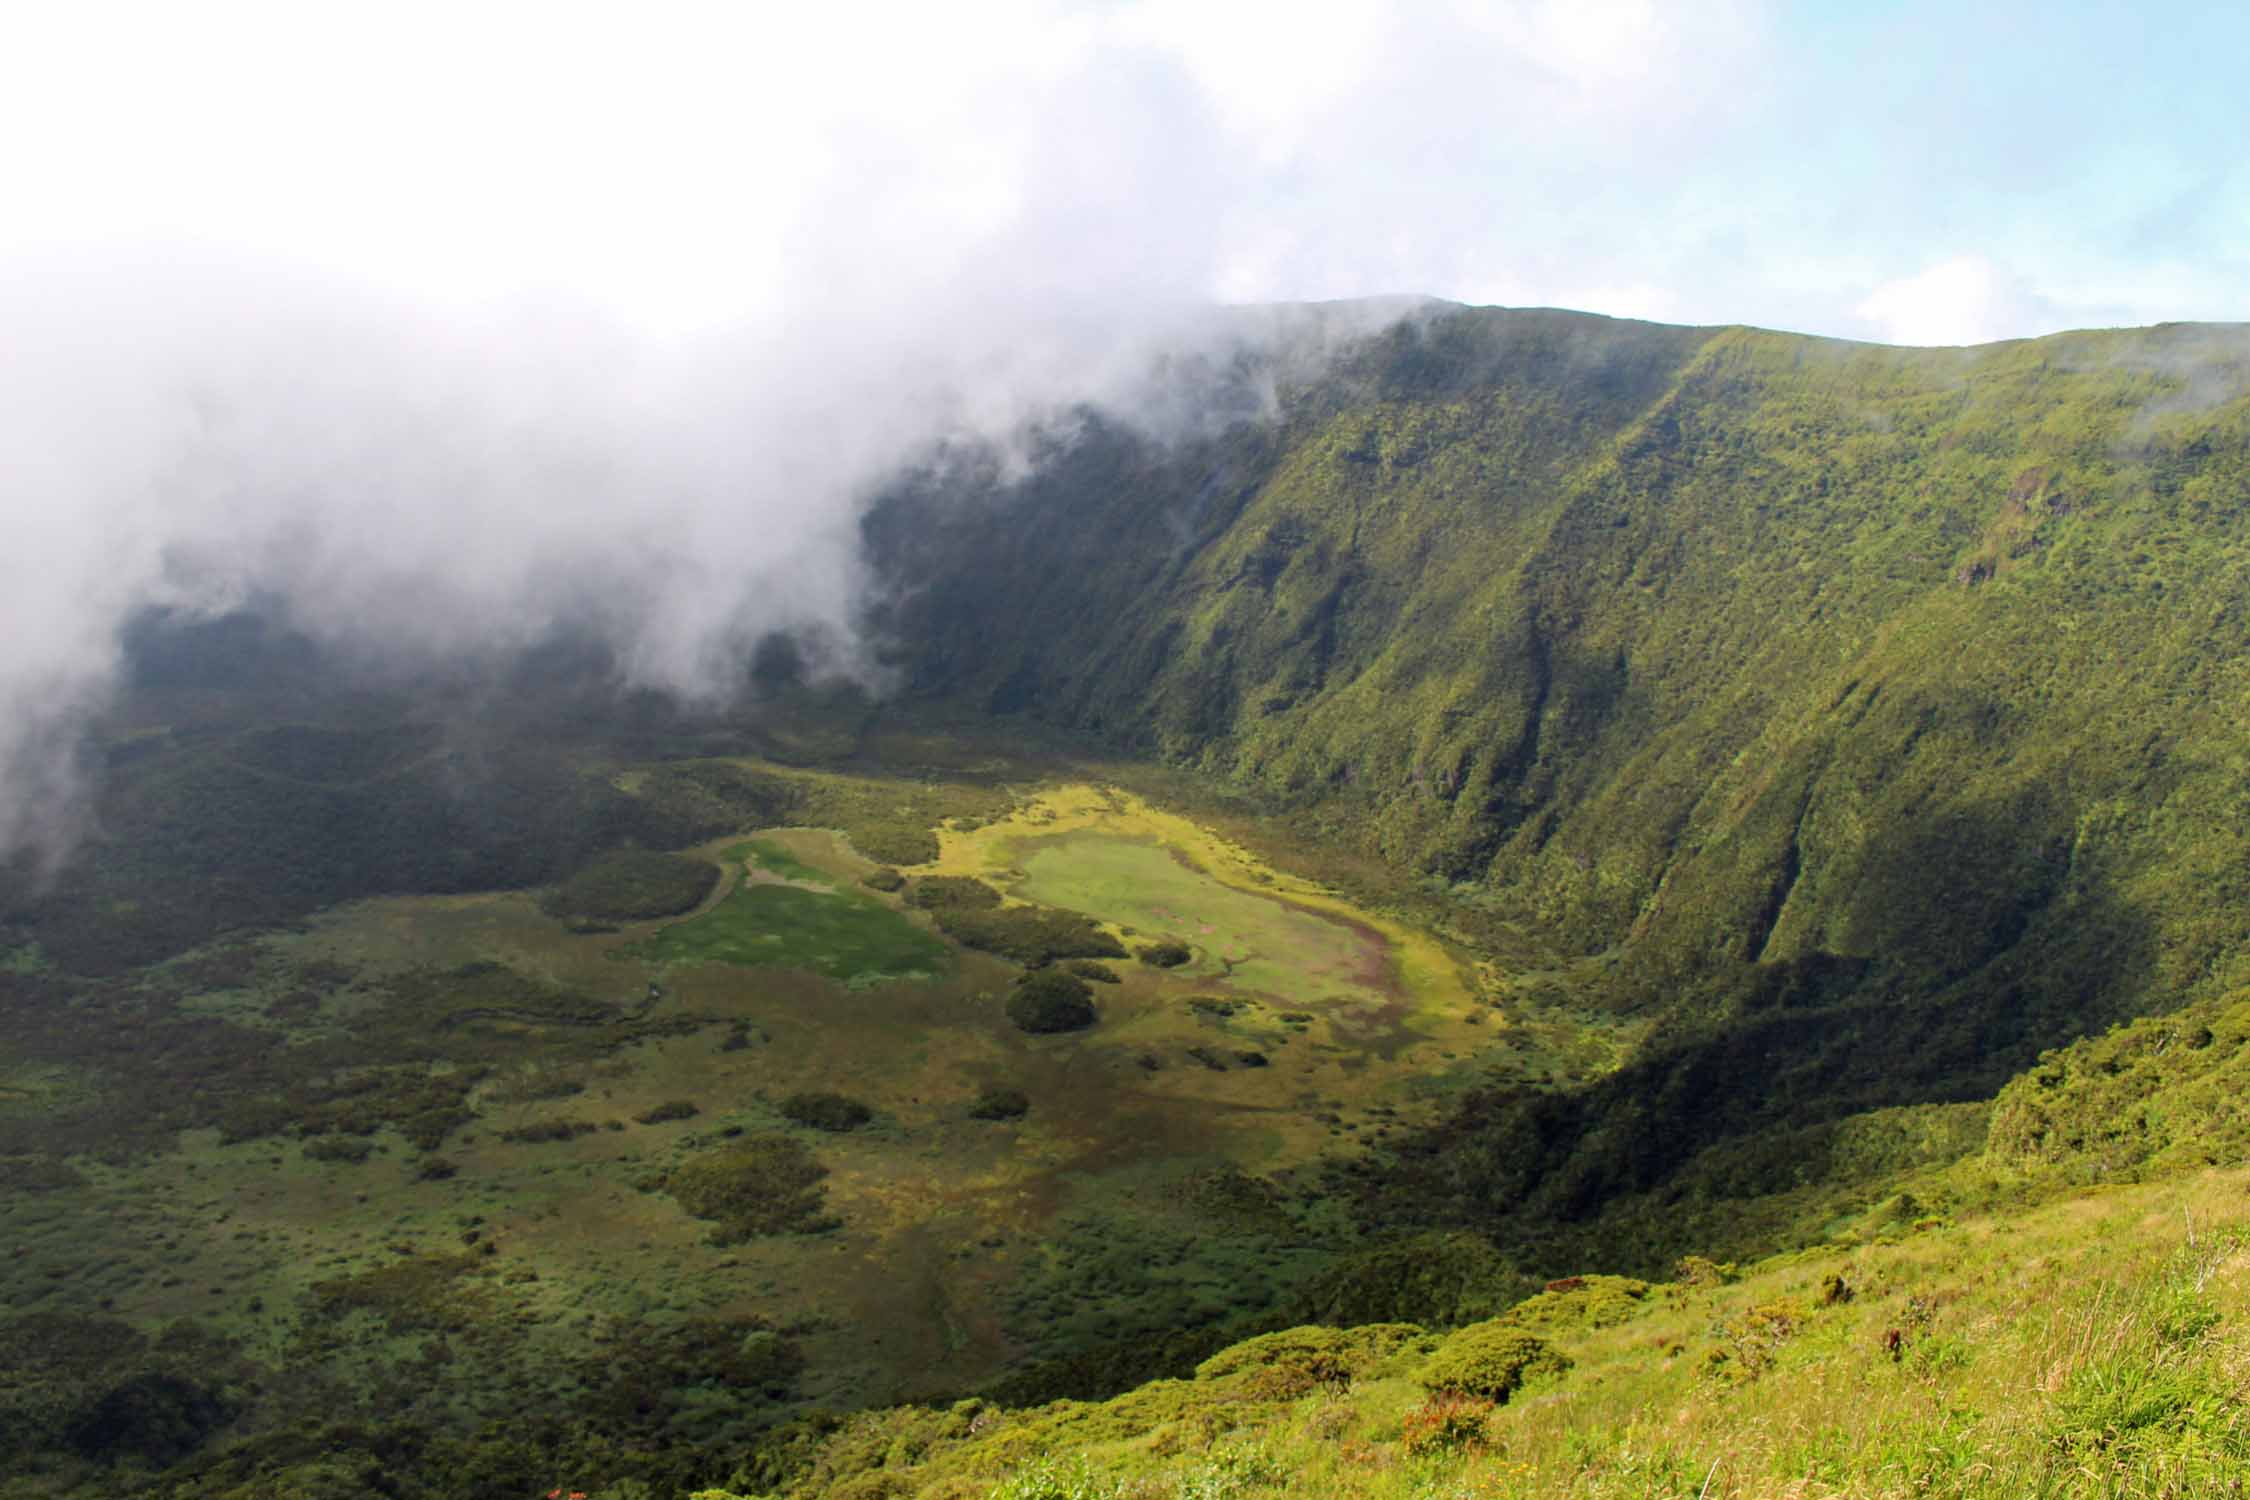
<point x="633" y="885"/>
<point x="827" y="1111"/>
<point x="953" y="893"/>
<point x="1490" y="1360"/>
<point x="1051" y="1001"/>
<point x="768" y="1184"/>
<point x="1029" y="935"/>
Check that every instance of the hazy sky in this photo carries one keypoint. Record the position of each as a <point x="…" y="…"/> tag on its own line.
<point x="442" y="323"/>
<point x="1919" y="171"/>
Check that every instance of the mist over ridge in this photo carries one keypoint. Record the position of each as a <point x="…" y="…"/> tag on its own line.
<point x="427" y="483"/>
<point x="413" y="480"/>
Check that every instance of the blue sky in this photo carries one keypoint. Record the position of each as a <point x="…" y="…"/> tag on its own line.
<point x="1922" y="172"/>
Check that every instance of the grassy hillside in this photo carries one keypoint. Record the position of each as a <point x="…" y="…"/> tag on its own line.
<point x="1855" y="722"/>
<point x="2092" y="1349"/>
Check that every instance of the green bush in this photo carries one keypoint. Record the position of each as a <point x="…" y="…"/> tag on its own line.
<point x="1582" y="1302"/>
<point x="762" y="1185"/>
<point x="1312" y="1356"/>
<point x="953" y="893"/>
<point x="1166" y="955"/>
<point x="885" y="879"/>
<point x="827" y="1111"/>
<point x="1491" y="1360"/>
<point x="1029" y="935"/>
<point x="1086" y="968"/>
<point x="1447" y="1424"/>
<point x="1051" y="1001"/>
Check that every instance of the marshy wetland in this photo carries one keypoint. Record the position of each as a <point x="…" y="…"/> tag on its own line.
<point x="460" y="1155"/>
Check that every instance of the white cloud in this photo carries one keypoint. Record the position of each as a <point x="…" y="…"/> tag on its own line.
<point x="1967" y="299"/>
<point x="419" y="311"/>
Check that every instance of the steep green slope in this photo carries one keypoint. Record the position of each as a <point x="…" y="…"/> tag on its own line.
<point x="2090" y="1349"/>
<point x="1874" y="716"/>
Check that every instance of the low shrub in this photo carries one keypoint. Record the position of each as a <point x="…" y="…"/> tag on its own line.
<point x="633" y="885"/>
<point x="827" y="1111"/>
<point x="760" y="1185"/>
<point x="1309" y="1357"/>
<point x="1582" y="1302"/>
<point x="953" y="893"/>
<point x="1166" y="955"/>
<point x="545" y="1132"/>
<point x="1051" y="1001"/>
<point x="1447" y="1424"/>
<point x="1491" y="1360"/>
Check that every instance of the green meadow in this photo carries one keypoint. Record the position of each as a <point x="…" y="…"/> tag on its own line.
<point x="785" y="914"/>
<point x="1253" y="942"/>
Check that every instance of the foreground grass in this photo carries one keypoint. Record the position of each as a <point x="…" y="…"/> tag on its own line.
<point x="2091" y="1348"/>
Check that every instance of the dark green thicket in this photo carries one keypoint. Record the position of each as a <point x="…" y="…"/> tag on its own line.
<point x="103" y="1391"/>
<point x="1029" y="935"/>
<point x="953" y="893"/>
<point x="200" y="833"/>
<point x="1050" y="1001"/>
<point x="2163" y="1092"/>
<point x="826" y="1111"/>
<point x="1438" y="1279"/>
<point x="760" y="1185"/>
<point x="1863" y="708"/>
<point x="633" y="885"/>
<point x="1110" y="1298"/>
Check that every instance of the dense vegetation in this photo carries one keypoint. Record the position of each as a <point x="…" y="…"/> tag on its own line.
<point x="1050" y="1001"/>
<point x="2089" y="1351"/>
<point x="1824" y="764"/>
<point x="1846" y="725"/>
<point x="634" y="885"/>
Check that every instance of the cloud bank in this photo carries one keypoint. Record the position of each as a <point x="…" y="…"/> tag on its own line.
<point x="445" y="324"/>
